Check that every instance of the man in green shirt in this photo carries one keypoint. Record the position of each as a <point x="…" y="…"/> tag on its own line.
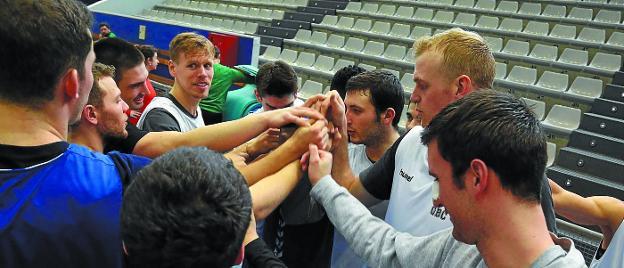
<point x="105" y="31"/>
<point x="224" y="77"/>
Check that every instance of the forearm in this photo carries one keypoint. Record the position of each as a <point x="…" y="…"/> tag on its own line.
<point x="369" y="237"/>
<point x="268" y="193"/>
<point x="341" y="170"/>
<point x="272" y="162"/>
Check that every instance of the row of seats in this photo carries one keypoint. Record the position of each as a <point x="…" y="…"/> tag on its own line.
<point x="225" y="10"/>
<point x="223" y="25"/>
<point x="273" y="3"/>
<point x="525" y="10"/>
<point x="583" y="87"/>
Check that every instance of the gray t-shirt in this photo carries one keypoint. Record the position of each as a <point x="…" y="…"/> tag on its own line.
<point x="382" y="246"/>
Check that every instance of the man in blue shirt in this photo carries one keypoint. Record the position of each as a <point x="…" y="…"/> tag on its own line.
<point x="60" y="202"/>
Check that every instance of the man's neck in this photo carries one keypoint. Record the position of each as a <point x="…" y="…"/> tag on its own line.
<point x="376" y="150"/>
<point x="87" y="136"/>
<point x="522" y="235"/>
<point x="189" y="103"/>
<point x="23" y="126"/>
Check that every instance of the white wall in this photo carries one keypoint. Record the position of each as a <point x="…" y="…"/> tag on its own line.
<point x="123" y="7"/>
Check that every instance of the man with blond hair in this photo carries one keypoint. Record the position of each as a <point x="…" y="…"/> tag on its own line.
<point x="191" y="63"/>
<point x="449" y="66"/>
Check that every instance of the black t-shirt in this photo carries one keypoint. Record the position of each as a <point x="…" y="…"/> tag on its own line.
<point x="125" y="145"/>
<point x="258" y="255"/>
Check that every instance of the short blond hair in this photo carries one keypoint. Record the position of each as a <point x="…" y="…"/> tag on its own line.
<point x="190" y="44"/>
<point x="463" y="53"/>
<point x="99" y="71"/>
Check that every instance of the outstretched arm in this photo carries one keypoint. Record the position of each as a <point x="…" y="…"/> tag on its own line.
<point x="224" y="136"/>
<point x="268" y="193"/>
<point x="604" y="211"/>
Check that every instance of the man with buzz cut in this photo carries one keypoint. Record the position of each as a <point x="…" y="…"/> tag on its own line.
<point x="449" y="66"/>
<point x="191" y="65"/>
<point x="487" y="153"/>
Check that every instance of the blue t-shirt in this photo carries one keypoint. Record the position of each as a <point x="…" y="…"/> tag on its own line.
<point x="60" y="205"/>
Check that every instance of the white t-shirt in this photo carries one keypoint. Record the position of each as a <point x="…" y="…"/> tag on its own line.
<point x="342" y="254"/>
<point x="614" y="255"/>
<point x="402" y="177"/>
<point x="185" y="122"/>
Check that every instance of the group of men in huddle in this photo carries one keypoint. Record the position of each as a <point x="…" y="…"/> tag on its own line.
<point x="80" y="188"/>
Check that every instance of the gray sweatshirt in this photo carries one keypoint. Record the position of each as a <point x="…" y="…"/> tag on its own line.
<point x="381" y="246"/>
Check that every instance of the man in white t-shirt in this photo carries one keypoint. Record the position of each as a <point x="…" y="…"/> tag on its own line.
<point x="191" y="63"/>
<point x="374" y="101"/>
<point x="604" y="211"/>
<point x="449" y="66"/>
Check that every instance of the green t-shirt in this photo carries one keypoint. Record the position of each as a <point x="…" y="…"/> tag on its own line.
<point x="222" y="80"/>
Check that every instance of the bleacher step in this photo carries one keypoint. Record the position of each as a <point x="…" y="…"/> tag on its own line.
<point x="598" y="165"/>
<point x="584" y="184"/>
<point x="604" y="125"/>
<point x="597" y="143"/>
<point x="613" y="92"/>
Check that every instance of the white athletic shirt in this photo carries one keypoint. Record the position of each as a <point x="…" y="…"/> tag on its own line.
<point x="402" y="176"/>
<point x="614" y="255"/>
<point x="185" y="122"/>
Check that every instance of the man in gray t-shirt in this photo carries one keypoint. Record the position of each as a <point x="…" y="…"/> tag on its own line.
<point x="487" y="153"/>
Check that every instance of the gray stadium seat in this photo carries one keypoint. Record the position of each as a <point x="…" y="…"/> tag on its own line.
<point x="507" y="6"/>
<point x="444" y="16"/>
<point x="563" y="118"/>
<point x="486" y="4"/>
<point x="271" y="53"/>
<point x="354" y="44"/>
<point x="227" y="24"/>
<point x="277" y="14"/>
<point x="423" y="14"/>
<point x="522" y="75"/>
<point x="608" y="16"/>
<point x="345" y="22"/>
<point x="530" y="8"/>
<point x="616" y="39"/>
<point x="400" y="30"/>
<point x="538" y="107"/>
<point x="551" y="152"/>
<point x="367" y="67"/>
<point x="373" y="48"/>
<point x="574" y="56"/>
<point x="319" y="38"/>
<point x="554" y="11"/>
<point x="419" y="32"/>
<point x="511" y="25"/>
<point x="253" y="12"/>
<point x="563" y="31"/>
<point x="495" y="43"/>
<point x="592" y="35"/>
<point x="303" y="35"/>
<point x="487" y="22"/>
<point x="466" y="19"/>
<point x="353" y="6"/>
<point x="580" y="13"/>
<point x="305" y="59"/>
<point x="409" y="55"/>
<point x="403" y="12"/>
<point x="335" y="41"/>
<point x="407" y="81"/>
<point x="501" y="70"/>
<point x="323" y="63"/>
<point x="387" y="10"/>
<point x="553" y="81"/>
<point x="537" y="28"/>
<point x="606" y="61"/>
<point x="341" y="63"/>
<point x="289" y="56"/>
<point x="310" y="88"/>
<point x="363" y="25"/>
<point x="516" y="47"/>
<point x="585" y="86"/>
<point x="465" y="3"/>
<point x="381" y="27"/>
<point x="330" y="20"/>
<point x="394" y="52"/>
<point x="544" y="52"/>
<point x="369" y="8"/>
<point x="251" y="27"/>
